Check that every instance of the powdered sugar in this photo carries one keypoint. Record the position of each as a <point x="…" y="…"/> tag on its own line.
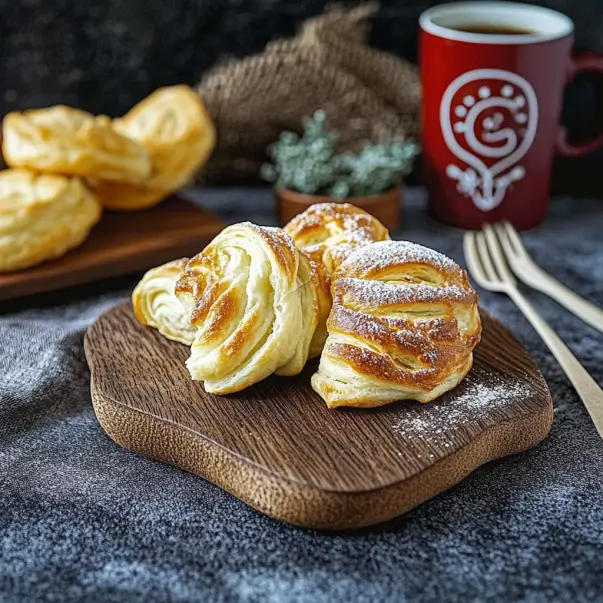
<point x="277" y="239"/>
<point x="384" y="254"/>
<point x="378" y="293"/>
<point x="333" y="218"/>
<point x="481" y="399"/>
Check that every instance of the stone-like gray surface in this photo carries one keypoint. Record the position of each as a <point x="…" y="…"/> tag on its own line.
<point x="82" y="520"/>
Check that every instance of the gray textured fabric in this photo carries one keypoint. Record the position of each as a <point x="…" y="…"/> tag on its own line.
<point x="83" y="520"/>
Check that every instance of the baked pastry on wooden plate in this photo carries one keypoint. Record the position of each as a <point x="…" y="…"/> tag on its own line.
<point x="329" y="232"/>
<point x="42" y="217"/>
<point x="403" y="326"/>
<point x="173" y="125"/>
<point x="256" y="306"/>
<point x="62" y="140"/>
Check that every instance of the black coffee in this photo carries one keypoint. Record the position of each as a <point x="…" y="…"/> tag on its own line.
<point x="492" y="29"/>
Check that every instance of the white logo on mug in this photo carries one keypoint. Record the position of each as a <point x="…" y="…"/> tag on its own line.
<point x="490" y="132"/>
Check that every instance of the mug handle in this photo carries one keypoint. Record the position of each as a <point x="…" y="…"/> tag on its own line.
<point x="583" y="62"/>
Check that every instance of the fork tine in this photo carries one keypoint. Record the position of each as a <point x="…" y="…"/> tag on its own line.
<point x="473" y="260"/>
<point x="497" y="254"/>
<point x="507" y="246"/>
<point x="513" y="237"/>
<point x="484" y="255"/>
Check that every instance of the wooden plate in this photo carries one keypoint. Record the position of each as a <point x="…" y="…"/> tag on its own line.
<point x="278" y="448"/>
<point x="120" y="243"/>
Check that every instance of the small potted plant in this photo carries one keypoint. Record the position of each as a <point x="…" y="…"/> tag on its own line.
<point x="309" y="169"/>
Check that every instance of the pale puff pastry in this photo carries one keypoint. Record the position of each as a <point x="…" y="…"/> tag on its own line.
<point x="255" y="306"/>
<point x="42" y="217"/>
<point x="155" y="303"/>
<point x="63" y="140"/>
<point x="330" y="232"/>
<point x="403" y="325"/>
<point x="175" y="128"/>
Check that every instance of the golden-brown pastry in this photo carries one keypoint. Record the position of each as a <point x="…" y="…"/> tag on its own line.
<point x="42" y="217"/>
<point x="330" y="232"/>
<point x="255" y="307"/>
<point x="62" y="140"/>
<point x="122" y="196"/>
<point x="175" y="128"/>
<point x="403" y="326"/>
<point x="156" y="305"/>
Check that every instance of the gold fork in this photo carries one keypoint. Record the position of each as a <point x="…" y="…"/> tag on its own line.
<point x="487" y="266"/>
<point x="533" y="275"/>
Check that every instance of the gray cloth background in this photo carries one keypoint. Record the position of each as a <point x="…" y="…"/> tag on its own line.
<point x="84" y="520"/>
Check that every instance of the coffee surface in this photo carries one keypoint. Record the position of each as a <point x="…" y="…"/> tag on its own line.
<point x="493" y="29"/>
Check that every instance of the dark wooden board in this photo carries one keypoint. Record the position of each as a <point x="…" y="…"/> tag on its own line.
<point x="278" y="447"/>
<point x="122" y="242"/>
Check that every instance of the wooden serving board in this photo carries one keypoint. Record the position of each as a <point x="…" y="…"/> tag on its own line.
<point x="276" y="445"/>
<point x="122" y="242"/>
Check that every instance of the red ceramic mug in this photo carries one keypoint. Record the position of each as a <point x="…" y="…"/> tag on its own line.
<point x="493" y="76"/>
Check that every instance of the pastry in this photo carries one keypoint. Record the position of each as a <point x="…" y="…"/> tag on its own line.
<point x="255" y="307"/>
<point x="156" y="305"/>
<point x="403" y="325"/>
<point x="127" y="197"/>
<point x="42" y="217"/>
<point x="329" y="232"/>
<point x="175" y="128"/>
<point x="68" y="141"/>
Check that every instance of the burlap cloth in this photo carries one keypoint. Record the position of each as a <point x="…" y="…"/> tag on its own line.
<point x="366" y="93"/>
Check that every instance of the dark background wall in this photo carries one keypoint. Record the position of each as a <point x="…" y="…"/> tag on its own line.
<point x="104" y="55"/>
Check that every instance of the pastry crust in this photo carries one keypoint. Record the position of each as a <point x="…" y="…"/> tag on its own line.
<point x="255" y="307"/>
<point x="403" y="326"/>
<point x="327" y="233"/>
<point x="330" y="232"/>
<point x="179" y="135"/>
<point x="155" y="303"/>
<point x="62" y="140"/>
<point x="172" y="123"/>
<point x="42" y="217"/>
<point x="121" y="196"/>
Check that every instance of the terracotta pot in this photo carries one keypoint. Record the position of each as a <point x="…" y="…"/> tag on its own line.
<point x="384" y="206"/>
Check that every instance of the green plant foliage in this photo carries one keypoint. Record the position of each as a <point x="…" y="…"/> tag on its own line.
<point x="311" y="164"/>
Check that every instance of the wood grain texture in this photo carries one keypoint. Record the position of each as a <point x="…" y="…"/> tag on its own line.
<point x="278" y="448"/>
<point x="121" y="243"/>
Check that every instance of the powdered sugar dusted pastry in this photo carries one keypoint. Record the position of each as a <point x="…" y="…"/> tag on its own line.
<point x="156" y="305"/>
<point x="42" y="217"/>
<point x="63" y="140"/>
<point x="330" y="232"/>
<point x="403" y="326"/>
<point x="255" y="307"/>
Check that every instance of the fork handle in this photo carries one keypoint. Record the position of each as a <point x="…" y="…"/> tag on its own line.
<point x="589" y="391"/>
<point x="582" y="308"/>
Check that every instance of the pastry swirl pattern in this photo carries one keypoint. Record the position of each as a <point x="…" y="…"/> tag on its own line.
<point x="155" y="303"/>
<point x="330" y="232"/>
<point x="403" y="326"/>
<point x="255" y="307"/>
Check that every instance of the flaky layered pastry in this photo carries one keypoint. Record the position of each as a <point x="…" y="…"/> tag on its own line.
<point x="156" y="305"/>
<point x="179" y="135"/>
<point x="62" y="140"/>
<point x="42" y="217"/>
<point x="330" y="232"/>
<point x="403" y="325"/>
<point x="255" y="307"/>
